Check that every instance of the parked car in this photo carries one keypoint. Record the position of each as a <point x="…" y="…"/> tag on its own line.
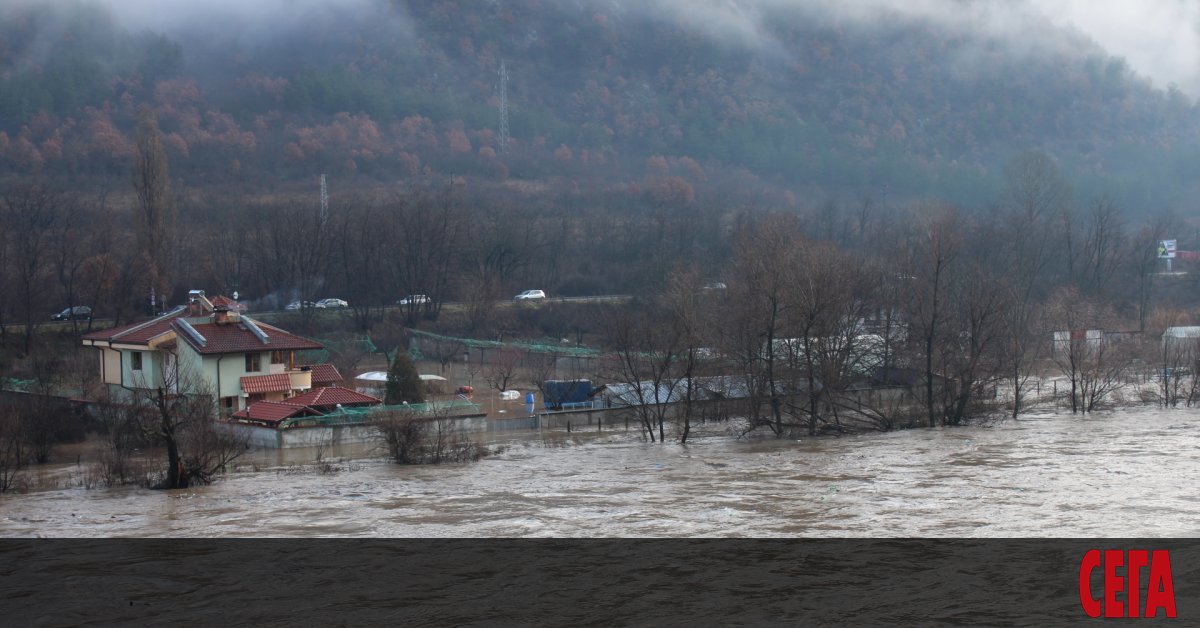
<point x="715" y="285"/>
<point x="331" y="303"/>
<point x="529" y="295"/>
<point x="300" y="305"/>
<point x="414" y="299"/>
<point x="79" y="312"/>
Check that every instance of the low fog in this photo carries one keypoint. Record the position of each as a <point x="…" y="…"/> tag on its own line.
<point x="1159" y="39"/>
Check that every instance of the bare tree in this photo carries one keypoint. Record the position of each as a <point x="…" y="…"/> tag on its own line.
<point x="1143" y="266"/>
<point x="444" y="350"/>
<point x="180" y="414"/>
<point x="759" y="300"/>
<point x="685" y="305"/>
<point x="6" y="284"/>
<point x="1104" y="245"/>
<point x="934" y="250"/>
<point x="645" y="361"/>
<point x="502" y="369"/>
<point x="428" y="229"/>
<point x="979" y="303"/>
<point x="827" y="302"/>
<point x="156" y="213"/>
<point x="540" y="367"/>
<point x="73" y="248"/>
<point x="31" y="212"/>
<point x="1095" y="366"/>
<point x="357" y="261"/>
<point x="1177" y="364"/>
<point x="1035" y="194"/>
<point x="13" y="457"/>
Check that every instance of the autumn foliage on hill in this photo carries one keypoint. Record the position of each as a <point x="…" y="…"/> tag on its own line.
<point x="599" y="91"/>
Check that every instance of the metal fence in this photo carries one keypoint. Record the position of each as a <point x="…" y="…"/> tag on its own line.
<point x="365" y="415"/>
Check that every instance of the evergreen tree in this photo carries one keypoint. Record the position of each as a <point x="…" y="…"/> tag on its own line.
<point x="403" y="383"/>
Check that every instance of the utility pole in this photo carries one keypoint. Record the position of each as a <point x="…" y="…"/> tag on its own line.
<point x="324" y="201"/>
<point x="502" y="139"/>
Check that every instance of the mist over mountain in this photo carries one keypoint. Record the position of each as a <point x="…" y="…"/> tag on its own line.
<point x="765" y="101"/>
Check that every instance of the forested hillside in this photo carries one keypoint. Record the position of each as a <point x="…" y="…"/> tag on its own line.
<point x="601" y="94"/>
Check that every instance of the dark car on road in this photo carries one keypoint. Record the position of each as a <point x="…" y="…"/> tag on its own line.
<point x="78" y="313"/>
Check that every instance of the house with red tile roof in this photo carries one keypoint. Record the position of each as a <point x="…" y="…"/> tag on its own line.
<point x="208" y="348"/>
<point x="323" y="375"/>
<point x="272" y="413"/>
<point x="331" y="398"/>
<point x="314" y="403"/>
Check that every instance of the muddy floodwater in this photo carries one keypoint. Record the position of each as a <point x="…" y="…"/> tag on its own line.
<point x="1129" y="473"/>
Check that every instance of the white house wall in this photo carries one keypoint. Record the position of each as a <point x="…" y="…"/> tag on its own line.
<point x="149" y="377"/>
<point x="232" y="368"/>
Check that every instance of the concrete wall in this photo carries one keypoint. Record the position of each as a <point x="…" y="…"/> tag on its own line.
<point x="269" y="438"/>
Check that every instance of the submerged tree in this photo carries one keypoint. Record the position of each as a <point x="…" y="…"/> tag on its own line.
<point x="435" y="438"/>
<point x="180" y="414"/>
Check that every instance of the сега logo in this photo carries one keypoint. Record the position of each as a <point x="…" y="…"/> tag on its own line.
<point x="1160" y="593"/>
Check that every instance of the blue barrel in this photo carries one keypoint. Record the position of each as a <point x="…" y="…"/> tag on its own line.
<point x="529" y="398"/>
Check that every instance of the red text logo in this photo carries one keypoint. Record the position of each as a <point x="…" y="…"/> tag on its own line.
<point x="1122" y="593"/>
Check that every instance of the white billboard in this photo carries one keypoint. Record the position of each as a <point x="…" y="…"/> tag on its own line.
<point x="1166" y="249"/>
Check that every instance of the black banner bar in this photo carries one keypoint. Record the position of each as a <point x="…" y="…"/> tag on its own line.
<point x="437" y="582"/>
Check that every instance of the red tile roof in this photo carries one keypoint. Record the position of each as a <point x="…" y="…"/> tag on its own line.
<point x="324" y="374"/>
<point x="257" y="384"/>
<point x="236" y="337"/>
<point x="333" y="396"/>
<point x="273" y="411"/>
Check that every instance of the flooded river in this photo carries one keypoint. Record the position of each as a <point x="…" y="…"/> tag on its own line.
<point x="1129" y="473"/>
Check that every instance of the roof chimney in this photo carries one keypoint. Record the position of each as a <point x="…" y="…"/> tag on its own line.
<point x="222" y="315"/>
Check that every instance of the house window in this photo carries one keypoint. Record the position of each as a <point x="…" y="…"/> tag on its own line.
<point x="135" y="360"/>
<point x="228" y="405"/>
<point x="252" y="363"/>
<point x="278" y="357"/>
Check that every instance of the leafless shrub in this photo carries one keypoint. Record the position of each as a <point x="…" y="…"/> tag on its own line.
<point x="412" y="438"/>
<point x="11" y="449"/>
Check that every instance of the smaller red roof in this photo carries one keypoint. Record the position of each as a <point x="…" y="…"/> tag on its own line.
<point x="258" y="384"/>
<point x="333" y="396"/>
<point x="323" y="374"/>
<point x="273" y="411"/>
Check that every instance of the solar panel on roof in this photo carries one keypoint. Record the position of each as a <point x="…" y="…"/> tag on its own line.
<point x="254" y="329"/>
<point x="192" y="333"/>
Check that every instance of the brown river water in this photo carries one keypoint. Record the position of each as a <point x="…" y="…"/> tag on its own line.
<point x="1121" y="474"/>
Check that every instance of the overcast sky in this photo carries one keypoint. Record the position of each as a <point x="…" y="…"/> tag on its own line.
<point x="1159" y="38"/>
